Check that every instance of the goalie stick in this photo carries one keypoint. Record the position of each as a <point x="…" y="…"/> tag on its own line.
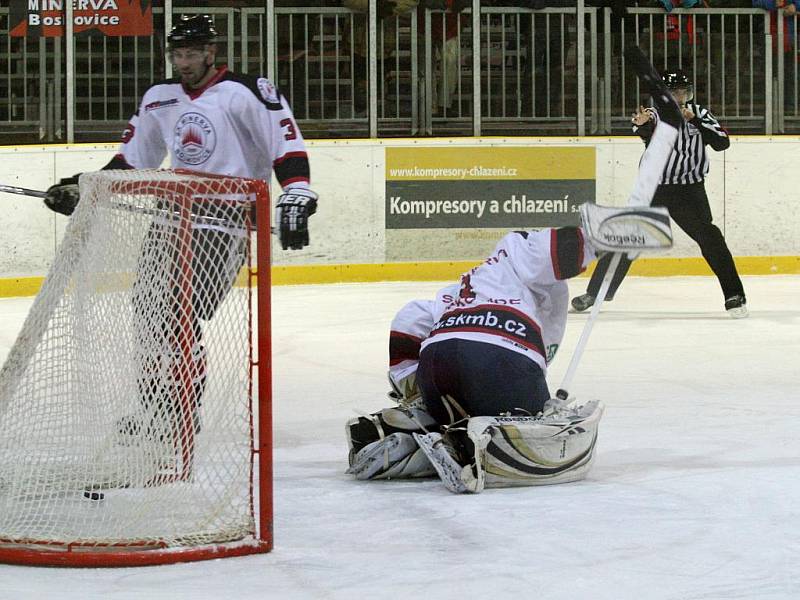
<point x="670" y="114"/>
<point x="563" y="392"/>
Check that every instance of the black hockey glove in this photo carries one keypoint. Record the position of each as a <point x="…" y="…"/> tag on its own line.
<point x="291" y="215"/>
<point x="63" y="197"/>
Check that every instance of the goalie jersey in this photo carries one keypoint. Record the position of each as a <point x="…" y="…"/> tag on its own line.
<point x="235" y="125"/>
<point x="516" y="299"/>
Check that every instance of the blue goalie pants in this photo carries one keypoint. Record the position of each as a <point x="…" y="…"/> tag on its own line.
<point x="483" y="379"/>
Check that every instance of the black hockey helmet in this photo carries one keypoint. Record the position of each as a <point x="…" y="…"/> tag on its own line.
<point x="678" y="80"/>
<point x="192" y="30"/>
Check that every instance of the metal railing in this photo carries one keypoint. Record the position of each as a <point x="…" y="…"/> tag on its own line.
<point x="508" y="71"/>
<point x="726" y="53"/>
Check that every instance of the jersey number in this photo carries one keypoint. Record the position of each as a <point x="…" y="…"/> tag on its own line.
<point x="291" y="133"/>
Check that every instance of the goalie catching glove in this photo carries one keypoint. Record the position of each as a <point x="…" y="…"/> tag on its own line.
<point x="63" y="197"/>
<point x="291" y="215"/>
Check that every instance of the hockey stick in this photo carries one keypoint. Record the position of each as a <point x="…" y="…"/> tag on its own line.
<point x="10" y="189"/>
<point x="644" y="188"/>
<point x="160" y="212"/>
<point x="563" y="393"/>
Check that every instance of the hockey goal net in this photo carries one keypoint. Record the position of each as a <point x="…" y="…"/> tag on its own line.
<point x="135" y="415"/>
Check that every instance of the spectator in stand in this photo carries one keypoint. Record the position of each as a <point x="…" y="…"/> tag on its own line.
<point x="546" y="51"/>
<point x="444" y="35"/>
<point x="679" y="28"/>
<point x="387" y="10"/>
<point x="543" y="59"/>
<point x="784" y="10"/>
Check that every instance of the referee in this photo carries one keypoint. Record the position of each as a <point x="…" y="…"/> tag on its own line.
<point x="682" y="191"/>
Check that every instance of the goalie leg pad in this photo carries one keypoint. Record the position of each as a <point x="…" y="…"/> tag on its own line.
<point x="381" y="446"/>
<point x="457" y="477"/>
<point x="522" y="451"/>
<point x="628" y="229"/>
<point x="493" y="452"/>
<point x="364" y="430"/>
<point x="393" y="457"/>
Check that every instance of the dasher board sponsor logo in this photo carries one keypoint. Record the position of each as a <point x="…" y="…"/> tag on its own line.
<point x="465" y="187"/>
<point x="476" y="171"/>
<point x="513" y="205"/>
<point x="34" y="18"/>
<point x="483" y="163"/>
<point x="506" y="204"/>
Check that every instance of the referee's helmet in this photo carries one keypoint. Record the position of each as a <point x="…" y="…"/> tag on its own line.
<point x="678" y="80"/>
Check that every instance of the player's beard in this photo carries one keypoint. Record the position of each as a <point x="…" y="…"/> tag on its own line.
<point x="193" y="76"/>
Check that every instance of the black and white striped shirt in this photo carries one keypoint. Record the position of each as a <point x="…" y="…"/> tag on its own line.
<point x="688" y="162"/>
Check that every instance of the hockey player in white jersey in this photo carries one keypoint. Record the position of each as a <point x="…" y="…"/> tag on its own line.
<point x="207" y="119"/>
<point x="210" y="119"/>
<point x="472" y="363"/>
<point x="481" y="347"/>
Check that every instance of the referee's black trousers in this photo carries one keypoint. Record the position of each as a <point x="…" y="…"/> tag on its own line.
<point x="687" y="204"/>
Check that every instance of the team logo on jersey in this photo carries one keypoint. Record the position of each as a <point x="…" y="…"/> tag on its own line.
<point x="268" y="90"/>
<point x="194" y="139"/>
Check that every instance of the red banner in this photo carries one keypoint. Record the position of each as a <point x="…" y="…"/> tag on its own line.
<point x="34" y="18"/>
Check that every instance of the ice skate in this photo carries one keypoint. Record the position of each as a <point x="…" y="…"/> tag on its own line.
<point x="736" y="306"/>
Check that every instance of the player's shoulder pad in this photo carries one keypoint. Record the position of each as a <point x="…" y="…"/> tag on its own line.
<point x="163" y="82"/>
<point x="262" y="88"/>
<point x="159" y="92"/>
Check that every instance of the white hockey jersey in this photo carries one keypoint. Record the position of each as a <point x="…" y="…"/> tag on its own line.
<point x="235" y="125"/>
<point x="516" y="299"/>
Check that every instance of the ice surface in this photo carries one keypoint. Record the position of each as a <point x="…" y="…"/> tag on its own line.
<point x="693" y="494"/>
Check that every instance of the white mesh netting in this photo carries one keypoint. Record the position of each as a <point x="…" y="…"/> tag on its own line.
<point x="130" y="381"/>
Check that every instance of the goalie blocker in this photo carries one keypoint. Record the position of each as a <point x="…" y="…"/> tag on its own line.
<point x="630" y="229"/>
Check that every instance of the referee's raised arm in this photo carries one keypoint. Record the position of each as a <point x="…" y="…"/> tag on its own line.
<point x="710" y="130"/>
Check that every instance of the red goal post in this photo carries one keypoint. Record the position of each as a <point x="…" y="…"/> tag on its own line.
<point x="135" y="404"/>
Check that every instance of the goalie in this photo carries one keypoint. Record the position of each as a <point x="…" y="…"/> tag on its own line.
<point x="481" y="348"/>
<point x="468" y="368"/>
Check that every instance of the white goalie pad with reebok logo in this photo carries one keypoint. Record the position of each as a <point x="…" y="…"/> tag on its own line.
<point x="519" y="451"/>
<point x="626" y="229"/>
<point x="499" y="452"/>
